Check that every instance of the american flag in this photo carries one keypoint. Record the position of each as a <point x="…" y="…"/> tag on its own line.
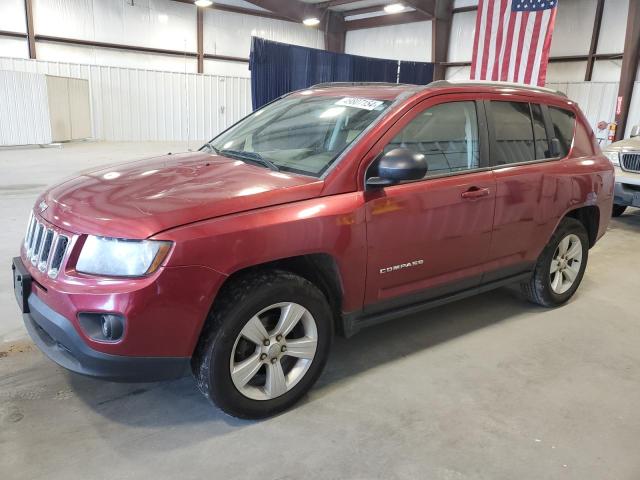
<point x="512" y="40"/>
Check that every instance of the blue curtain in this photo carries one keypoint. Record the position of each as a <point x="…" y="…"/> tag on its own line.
<point x="418" y="73"/>
<point x="278" y="68"/>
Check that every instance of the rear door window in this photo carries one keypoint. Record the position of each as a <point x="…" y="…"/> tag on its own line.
<point x="513" y="129"/>
<point x="563" y="122"/>
<point x="539" y="133"/>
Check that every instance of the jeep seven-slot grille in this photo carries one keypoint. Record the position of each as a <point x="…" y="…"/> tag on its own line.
<point x="45" y="248"/>
<point x="631" y="162"/>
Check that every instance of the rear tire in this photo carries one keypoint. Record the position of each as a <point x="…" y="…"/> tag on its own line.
<point x="618" y="210"/>
<point x="560" y="266"/>
<point x="265" y="344"/>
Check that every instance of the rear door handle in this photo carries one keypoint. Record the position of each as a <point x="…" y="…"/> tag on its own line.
<point x="475" y="192"/>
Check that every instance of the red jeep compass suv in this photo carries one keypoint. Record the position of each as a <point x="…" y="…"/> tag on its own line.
<point x="326" y="211"/>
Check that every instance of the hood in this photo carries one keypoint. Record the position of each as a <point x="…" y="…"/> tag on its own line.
<point x="138" y="199"/>
<point x="626" y="145"/>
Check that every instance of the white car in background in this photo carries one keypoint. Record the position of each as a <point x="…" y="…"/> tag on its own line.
<point x="625" y="156"/>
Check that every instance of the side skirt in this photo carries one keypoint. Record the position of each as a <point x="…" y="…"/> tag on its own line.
<point x="353" y="322"/>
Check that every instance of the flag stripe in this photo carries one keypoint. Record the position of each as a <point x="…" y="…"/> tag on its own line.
<point x="534" y="62"/>
<point x="520" y="46"/>
<point x="489" y="38"/>
<point x="512" y="40"/>
<point x="504" y="67"/>
<point x="499" y="40"/>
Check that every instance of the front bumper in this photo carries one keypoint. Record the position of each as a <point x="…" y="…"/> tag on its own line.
<point x="626" y="194"/>
<point x="56" y="336"/>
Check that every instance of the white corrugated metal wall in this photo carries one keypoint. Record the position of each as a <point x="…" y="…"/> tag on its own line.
<point x="24" y="111"/>
<point x="136" y="105"/>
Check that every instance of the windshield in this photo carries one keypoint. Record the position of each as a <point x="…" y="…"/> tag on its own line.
<point x="298" y="134"/>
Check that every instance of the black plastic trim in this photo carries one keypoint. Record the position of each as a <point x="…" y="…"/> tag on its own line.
<point x="355" y="321"/>
<point x="58" y="340"/>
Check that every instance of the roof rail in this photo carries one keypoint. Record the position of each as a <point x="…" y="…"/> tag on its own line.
<point x="358" y="84"/>
<point x="468" y="83"/>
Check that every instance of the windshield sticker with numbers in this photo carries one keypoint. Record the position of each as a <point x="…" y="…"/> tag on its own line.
<point x="363" y="103"/>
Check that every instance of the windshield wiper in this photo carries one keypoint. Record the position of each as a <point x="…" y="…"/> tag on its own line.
<point x="249" y="156"/>
<point x="210" y="146"/>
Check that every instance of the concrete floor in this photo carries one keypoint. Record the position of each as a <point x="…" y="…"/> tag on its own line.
<point x="490" y="387"/>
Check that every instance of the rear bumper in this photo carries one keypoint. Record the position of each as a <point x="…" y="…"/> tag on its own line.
<point x="58" y="339"/>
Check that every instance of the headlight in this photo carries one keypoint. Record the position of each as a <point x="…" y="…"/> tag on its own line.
<point x="121" y="258"/>
<point x="613" y="156"/>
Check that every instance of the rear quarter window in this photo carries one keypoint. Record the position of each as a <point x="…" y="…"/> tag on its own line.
<point x="563" y="122"/>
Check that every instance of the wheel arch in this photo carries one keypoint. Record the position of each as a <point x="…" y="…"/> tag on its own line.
<point x="321" y="269"/>
<point x="589" y="216"/>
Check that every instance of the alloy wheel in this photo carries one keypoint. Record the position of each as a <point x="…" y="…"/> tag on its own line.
<point x="565" y="264"/>
<point x="273" y="351"/>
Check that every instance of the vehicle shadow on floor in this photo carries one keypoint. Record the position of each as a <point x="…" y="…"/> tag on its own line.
<point x="179" y="402"/>
<point x="630" y="220"/>
<point x="405" y="336"/>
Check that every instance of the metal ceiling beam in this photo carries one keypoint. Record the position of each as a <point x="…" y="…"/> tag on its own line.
<point x="385" y="20"/>
<point x="4" y="33"/>
<point x="428" y="7"/>
<point x="629" y="67"/>
<point x="292" y="9"/>
<point x="31" y="41"/>
<point x="440" y="33"/>
<point x="595" y="36"/>
<point x="335" y="34"/>
<point x="331" y="23"/>
<point x="363" y="10"/>
<point x="337" y="3"/>
<point x="556" y="59"/>
<point x="200" y="39"/>
<point x="243" y="11"/>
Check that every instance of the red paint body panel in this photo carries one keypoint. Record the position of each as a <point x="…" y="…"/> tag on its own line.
<point x="224" y="215"/>
<point x="138" y="199"/>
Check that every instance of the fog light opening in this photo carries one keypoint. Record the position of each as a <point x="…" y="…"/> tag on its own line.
<point x="111" y="327"/>
<point x="103" y="327"/>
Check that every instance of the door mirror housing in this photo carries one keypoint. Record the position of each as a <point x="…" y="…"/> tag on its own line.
<point x="635" y="131"/>
<point x="397" y="165"/>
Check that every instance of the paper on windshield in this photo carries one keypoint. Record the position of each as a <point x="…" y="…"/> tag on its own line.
<point x="363" y="103"/>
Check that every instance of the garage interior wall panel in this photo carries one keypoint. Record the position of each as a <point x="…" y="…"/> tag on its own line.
<point x="598" y="101"/>
<point x="24" y="112"/>
<point x="410" y="41"/>
<point x="13" y="47"/>
<point x="12" y="17"/>
<point x="229" y="34"/>
<point x="613" y="27"/>
<point x="463" y="31"/>
<point x="54" y="52"/>
<point x="147" y="23"/>
<point x="224" y="67"/>
<point x="140" y="105"/>
<point x="573" y="28"/>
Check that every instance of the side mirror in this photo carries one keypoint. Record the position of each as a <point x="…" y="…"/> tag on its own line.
<point x="635" y="131"/>
<point x="398" y="165"/>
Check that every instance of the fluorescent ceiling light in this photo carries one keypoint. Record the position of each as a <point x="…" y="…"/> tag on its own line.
<point x="203" y="3"/>
<point x="310" y="22"/>
<point x="394" y="8"/>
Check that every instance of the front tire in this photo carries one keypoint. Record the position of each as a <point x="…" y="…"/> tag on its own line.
<point x="560" y="266"/>
<point x="266" y="342"/>
<point x="618" y="210"/>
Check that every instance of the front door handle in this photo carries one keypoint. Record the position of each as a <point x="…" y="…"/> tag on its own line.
<point x="475" y="192"/>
